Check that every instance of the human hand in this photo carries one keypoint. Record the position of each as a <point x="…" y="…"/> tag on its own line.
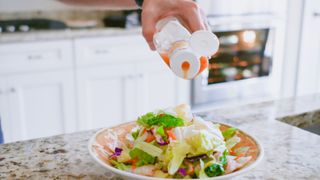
<point x="186" y="10"/>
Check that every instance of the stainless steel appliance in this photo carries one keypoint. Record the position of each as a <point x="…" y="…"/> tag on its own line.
<point x="249" y="61"/>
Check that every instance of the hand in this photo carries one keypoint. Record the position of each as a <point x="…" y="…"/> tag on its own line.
<point x="186" y="10"/>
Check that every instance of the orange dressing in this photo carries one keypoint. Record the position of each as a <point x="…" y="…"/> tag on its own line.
<point x="185" y="66"/>
<point x="165" y="58"/>
<point x="203" y="64"/>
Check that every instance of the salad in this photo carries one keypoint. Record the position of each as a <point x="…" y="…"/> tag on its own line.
<point x="172" y="143"/>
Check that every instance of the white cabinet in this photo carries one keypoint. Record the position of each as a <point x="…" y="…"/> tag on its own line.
<point x="111" y="50"/>
<point x="35" y="56"/>
<point x="308" y="80"/>
<point x="38" y="105"/>
<point x="49" y="88"/>
<point x="106" y="95"/>
<point x="159" y="87"/>
<point x="109" y="95"/>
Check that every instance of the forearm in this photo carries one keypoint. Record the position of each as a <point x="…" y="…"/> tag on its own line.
<point x="103" y="4"/>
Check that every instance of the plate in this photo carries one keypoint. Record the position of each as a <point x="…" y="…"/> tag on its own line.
<point x="122" y="129"/>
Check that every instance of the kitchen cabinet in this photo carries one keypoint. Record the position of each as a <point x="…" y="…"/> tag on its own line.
<point x="54" y="87"/>
<point x="106" y="95"/>
<point x="35" y="56"/>
<point x="109" y="95"/>
<point x="111" y="50"/>
<point x="38" y="105"/>
<point x="159" y="87"/>
<point x="308" y="79"/>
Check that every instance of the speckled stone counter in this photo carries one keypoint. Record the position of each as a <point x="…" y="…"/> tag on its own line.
<point x="65" y="34"/>
<point x="290" y="152"/>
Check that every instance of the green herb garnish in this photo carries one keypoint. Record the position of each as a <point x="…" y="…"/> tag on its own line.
<point x="165" y="120"/>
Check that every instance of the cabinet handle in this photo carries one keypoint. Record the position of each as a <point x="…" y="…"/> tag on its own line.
<point x="101" y="51"/>
<point x="35" y="57"/>
<point x="316" y="14"/>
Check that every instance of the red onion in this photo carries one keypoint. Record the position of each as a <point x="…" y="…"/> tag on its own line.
<point x="182" y="171"/>
<point x="160" y="140"/>
<point x="117" y="152"/>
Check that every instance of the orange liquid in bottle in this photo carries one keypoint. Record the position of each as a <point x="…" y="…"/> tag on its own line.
<point x="165" y="58"/>
<point x="185" y="66"/>
<point x="203" y="64"/>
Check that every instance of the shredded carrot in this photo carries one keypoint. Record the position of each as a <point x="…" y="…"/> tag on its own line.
<point x="170" y="134"/>
<point x="239" y="156"/>
<point x="150" y="138"/>
<point x="132" y="161"/>
<point x="133" y="166"/>
<point x="190" y="169"/>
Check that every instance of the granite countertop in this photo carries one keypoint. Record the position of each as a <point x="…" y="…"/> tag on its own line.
<point x="65" y="34"/>
<point x="290" y="152"/>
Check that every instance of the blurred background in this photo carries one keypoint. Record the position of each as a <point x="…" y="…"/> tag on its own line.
<point x="65" y="69"/>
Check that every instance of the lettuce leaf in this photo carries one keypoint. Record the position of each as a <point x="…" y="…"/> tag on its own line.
<point x="143" y="157"/>
<point x="232" y="141"/>
<point x="228" y="133"/>
<point x="203" y="142"/>
<point x="165" y="120"/>
<point x="149" y="148"/>
<point x="179" y="152"/>
<point x="160" y="131"/>
<point x="119" y="165"/>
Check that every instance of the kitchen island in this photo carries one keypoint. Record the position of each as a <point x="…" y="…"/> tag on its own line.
<point x="290" y="152"/>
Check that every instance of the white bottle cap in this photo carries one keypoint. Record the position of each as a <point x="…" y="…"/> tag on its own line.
<point x="204" y="42"/>
<point x="188" y="58"/>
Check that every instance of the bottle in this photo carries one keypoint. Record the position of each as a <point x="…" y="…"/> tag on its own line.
<point x="186" y="54"/>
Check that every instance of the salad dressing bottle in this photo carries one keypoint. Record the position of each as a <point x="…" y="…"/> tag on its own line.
<point x="186" y="54"/>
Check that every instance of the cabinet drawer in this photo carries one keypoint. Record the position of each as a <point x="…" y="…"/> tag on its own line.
<point x="30" y="56"/>
<point x="112" y="50"/>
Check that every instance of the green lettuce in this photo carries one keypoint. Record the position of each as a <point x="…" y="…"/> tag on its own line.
<point x="228" y="133"/>
<point x="143" y="157"/>
<point x="203" y="142"/>
<point x="149" y="148"/>
<point x="232" y="141"/>
<point x="165" y="120"/>
<point x="179" y="152"/>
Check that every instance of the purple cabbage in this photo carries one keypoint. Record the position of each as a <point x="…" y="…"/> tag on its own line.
<point x="161" y="141"/>
<point x="182" y="171"/>
<point x="117" y="152"/>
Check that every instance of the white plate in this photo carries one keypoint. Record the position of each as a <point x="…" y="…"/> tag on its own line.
<point x="132" y="176"/>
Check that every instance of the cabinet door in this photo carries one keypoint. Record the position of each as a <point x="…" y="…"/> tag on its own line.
<point x="106" y="95"/>
<point x="309" y="63"/>
<point x="160" y="88"/>
<point x="41" y="104"/>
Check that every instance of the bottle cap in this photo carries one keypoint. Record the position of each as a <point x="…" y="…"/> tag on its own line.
<point x="185" y="64"/>
<point x="204" y="42"/>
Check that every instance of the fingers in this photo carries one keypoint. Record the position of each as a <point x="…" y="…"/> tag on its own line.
<point x="205" y="20"/>
<point x="191" y="14"/>
<point x="148" y="27"/>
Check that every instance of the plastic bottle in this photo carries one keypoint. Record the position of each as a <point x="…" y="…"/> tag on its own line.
<point x="185" y="53"/>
